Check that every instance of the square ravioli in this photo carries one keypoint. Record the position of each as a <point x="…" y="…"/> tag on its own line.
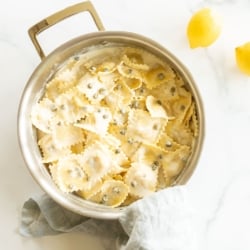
<point x="145" y="128"/>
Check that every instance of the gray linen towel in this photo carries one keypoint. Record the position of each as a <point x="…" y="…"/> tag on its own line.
<point x="161" y="221"/>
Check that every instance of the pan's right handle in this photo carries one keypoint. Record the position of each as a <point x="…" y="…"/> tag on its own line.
<point x="59" y="16"/>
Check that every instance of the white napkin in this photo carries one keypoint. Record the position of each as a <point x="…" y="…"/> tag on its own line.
<point x="161" y="221"/>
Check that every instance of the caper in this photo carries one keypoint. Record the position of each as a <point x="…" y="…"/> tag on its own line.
<point x="117" y="151"/>
<point x="62" y="107"/>
<point x="116" y="190"/>
<point x="101" y="90"/>
<point x="154" y="167"/>
<point x="182" y="108"/>
<point x="142" y="90"/>
<point x="92" y="68"/>
<point x="156" y="163"/>
<point x="155" y="127"/>
<point x="89" y="85"/>
<point x="160" y="157"/>
<point x="160" y="76"/>
<point x="130" y="141"/>
<point x="172" y="90"/>
<point x="118" y="87"/>
<point x="53" y="108"/>
<point x="122" y="132"/>
<point x="130" y="71"/>
<point x="104" y="198"/>
<point x="158" y="102"/>
<point x="132" y="183"/>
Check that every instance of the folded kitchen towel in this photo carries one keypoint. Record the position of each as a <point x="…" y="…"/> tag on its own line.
<point x="161" y="221"/>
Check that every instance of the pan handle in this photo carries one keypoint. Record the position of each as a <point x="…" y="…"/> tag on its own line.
<point x="59" y="16"/>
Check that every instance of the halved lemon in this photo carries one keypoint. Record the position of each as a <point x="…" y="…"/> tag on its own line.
<point x="204" y="28"/>
<point x="242" y="54"/>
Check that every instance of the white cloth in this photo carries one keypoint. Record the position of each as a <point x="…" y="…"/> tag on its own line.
<point x="161" y="221"/>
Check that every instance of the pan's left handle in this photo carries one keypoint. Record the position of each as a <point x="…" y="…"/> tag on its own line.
<point x="59" y="16"/>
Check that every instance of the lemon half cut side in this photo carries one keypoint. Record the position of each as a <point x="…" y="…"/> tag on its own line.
<point x="204" y="28"/>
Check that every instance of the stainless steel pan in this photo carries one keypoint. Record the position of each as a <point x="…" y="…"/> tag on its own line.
<point x="34" y="90"/>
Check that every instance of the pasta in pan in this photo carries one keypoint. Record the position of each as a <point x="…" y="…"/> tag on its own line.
<point x="115" y="125"/>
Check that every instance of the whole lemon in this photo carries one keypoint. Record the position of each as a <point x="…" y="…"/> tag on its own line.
<point x="204" y="28"/>
<point x="242" y="54"/>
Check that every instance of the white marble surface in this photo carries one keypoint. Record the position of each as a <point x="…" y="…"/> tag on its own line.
<point x="220" y="186"/>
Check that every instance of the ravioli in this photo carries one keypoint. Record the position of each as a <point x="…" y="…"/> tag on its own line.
<point x="114" y="125"/>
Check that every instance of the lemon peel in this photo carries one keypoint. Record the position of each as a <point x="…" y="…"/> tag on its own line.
<point x="242" y="54"/>
<point x="204" y="28"/>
